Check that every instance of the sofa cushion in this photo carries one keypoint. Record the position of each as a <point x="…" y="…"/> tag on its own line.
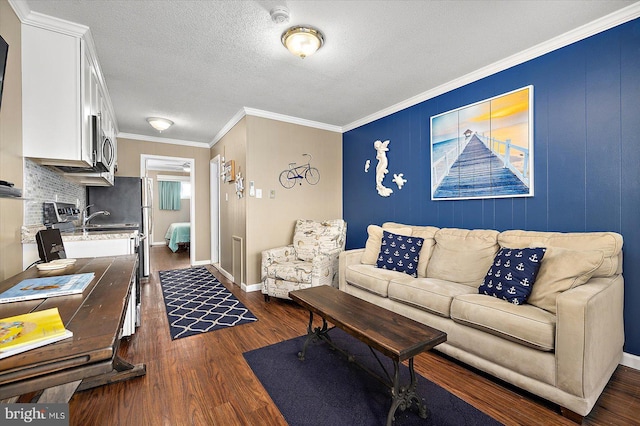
<point x="429" y="294"/>
<point x="399" y="253"/>
<point x="526" y="324"/>
<point x="426" y="232"/>
<point x="513" y="273"/>
<point x="560" y="271"/>
<point x="609" y="242"/>
<point x="370" y="278"/>
<point x="372" y="246"/>
<point x="462" y="256"/>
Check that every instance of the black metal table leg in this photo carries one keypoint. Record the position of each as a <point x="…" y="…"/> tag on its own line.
<point x="314" y="334"/>
<point x="403" y="397"/>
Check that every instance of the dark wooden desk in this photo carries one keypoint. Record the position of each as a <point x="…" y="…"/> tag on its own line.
<point x="395" y="336"/>
<point x="89" y="358"/>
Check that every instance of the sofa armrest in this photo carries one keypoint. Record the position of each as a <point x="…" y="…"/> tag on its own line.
<point x="348" y="257"/>
<point x="278" y="254"/>
<point x="589" y="335"/>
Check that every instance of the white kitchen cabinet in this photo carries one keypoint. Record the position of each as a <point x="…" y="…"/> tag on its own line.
<point x="56" y="126"/>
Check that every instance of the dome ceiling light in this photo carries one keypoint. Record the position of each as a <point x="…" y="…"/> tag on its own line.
<point x="302" y="41"/>
<point x="159" y="124"/>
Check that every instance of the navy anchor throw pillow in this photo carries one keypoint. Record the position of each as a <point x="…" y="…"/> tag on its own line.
<point x="512" y="274"/>
<point x="399" y="253"/>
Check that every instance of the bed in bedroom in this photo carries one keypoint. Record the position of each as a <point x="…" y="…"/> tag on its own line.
<point x="177" y="235"/>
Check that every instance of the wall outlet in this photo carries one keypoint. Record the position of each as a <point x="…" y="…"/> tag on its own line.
<point x="252" y="189"/>
<point x="272" y="193"/>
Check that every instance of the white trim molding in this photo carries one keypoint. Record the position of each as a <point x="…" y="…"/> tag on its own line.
<point x="631" y="361"/>
<point x="293" y="120"/>
<point x="271" y="116"/>
<point x="599" y="25"/>
<point x="252" y="287"/>
<point x="163" y="140"/>
<point x="227" y="127"/>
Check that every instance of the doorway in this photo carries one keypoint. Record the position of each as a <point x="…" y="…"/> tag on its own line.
<point x="153" y="165"/>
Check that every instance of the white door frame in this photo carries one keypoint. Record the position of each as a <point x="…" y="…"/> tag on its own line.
<point x="214" y="185"/>
<point x="192" y="201"/>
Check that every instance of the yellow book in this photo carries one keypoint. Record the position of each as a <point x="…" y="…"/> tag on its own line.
<point x="29" y="331"/>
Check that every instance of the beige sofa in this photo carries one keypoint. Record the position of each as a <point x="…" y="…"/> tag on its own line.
<point x="563" y="344"/>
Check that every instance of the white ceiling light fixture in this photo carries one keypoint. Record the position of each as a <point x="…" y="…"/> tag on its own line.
<point x="302" y="41"/>
<point x="159" y="124"/>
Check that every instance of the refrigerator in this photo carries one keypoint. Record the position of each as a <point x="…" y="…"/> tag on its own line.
<point x="130" y="204"/>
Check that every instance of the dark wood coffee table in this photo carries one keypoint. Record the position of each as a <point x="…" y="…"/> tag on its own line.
<point x="395" y="336"/>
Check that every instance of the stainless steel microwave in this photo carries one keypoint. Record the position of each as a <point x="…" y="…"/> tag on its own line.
<point x="104" y="150"/>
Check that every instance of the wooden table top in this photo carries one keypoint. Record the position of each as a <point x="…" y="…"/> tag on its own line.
<point x="95" y="318"/>
<point x="394" y="335"/>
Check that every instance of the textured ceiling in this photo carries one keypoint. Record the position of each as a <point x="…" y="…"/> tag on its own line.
<point x="199" y="63"/>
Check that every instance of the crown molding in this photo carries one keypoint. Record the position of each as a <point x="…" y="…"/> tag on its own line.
<point x="146" y="138"/>
<point x="227" y="127"/>
<point x="272" y="116"/>
<point x="29" y="17"/>
<point x="293" y="120"/>
<point x="599" y="25"/>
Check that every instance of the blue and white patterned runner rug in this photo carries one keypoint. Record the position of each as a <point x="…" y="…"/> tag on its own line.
<point x="197" y="302"/>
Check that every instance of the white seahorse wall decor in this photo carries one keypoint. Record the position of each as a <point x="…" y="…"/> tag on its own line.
<point x="366" y="166"/>
<point x="381" y="168"/>
<point x="399" y="179"/>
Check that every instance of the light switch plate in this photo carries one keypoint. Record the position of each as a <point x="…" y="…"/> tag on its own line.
<point x="258" y="193"/>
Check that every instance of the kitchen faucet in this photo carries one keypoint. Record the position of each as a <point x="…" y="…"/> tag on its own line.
<point x="86" y="219"/>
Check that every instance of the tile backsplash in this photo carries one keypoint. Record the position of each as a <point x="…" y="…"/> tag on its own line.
<point x="44" y="184"/>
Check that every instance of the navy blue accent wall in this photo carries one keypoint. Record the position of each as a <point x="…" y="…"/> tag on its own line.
<point x="586" y="153"/>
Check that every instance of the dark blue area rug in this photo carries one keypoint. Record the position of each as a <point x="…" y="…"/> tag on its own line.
<point x="325" y="389"/>
<point x="197" y="302"/>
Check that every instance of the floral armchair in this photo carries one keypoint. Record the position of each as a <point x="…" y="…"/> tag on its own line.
<point x="311" y="260"/>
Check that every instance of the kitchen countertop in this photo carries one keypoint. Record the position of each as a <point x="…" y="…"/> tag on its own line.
<point x="29" y="234"/>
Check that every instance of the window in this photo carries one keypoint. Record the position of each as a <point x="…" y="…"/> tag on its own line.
<point x="180" y="184"/>
<point x="185" y="190"/>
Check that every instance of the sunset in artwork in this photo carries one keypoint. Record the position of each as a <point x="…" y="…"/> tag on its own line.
<point x="494" y="135"/>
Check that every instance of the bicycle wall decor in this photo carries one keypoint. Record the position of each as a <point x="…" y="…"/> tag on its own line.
<point x="295" y="174"/>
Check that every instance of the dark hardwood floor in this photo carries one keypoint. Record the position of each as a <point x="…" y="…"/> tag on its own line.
<point x="204" y="380"/>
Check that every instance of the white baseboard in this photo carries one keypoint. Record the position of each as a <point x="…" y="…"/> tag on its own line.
<point x="201" y="262"/>
<point x="223" y="272"/>
<point x="252" y="287"/>
<point x="631" y="361"/>
<point x="245" y="287"/>
<point x="157" y="243"/>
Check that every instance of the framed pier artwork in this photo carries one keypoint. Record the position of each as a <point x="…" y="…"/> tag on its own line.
<point x="485" y="149"/>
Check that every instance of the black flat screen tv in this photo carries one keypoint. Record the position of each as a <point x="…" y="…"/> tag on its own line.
<point x="4" y="50"/>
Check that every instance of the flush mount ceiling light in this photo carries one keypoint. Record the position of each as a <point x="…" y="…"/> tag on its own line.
<point x="302" y="41"/>
<point x="159" y="124"/>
